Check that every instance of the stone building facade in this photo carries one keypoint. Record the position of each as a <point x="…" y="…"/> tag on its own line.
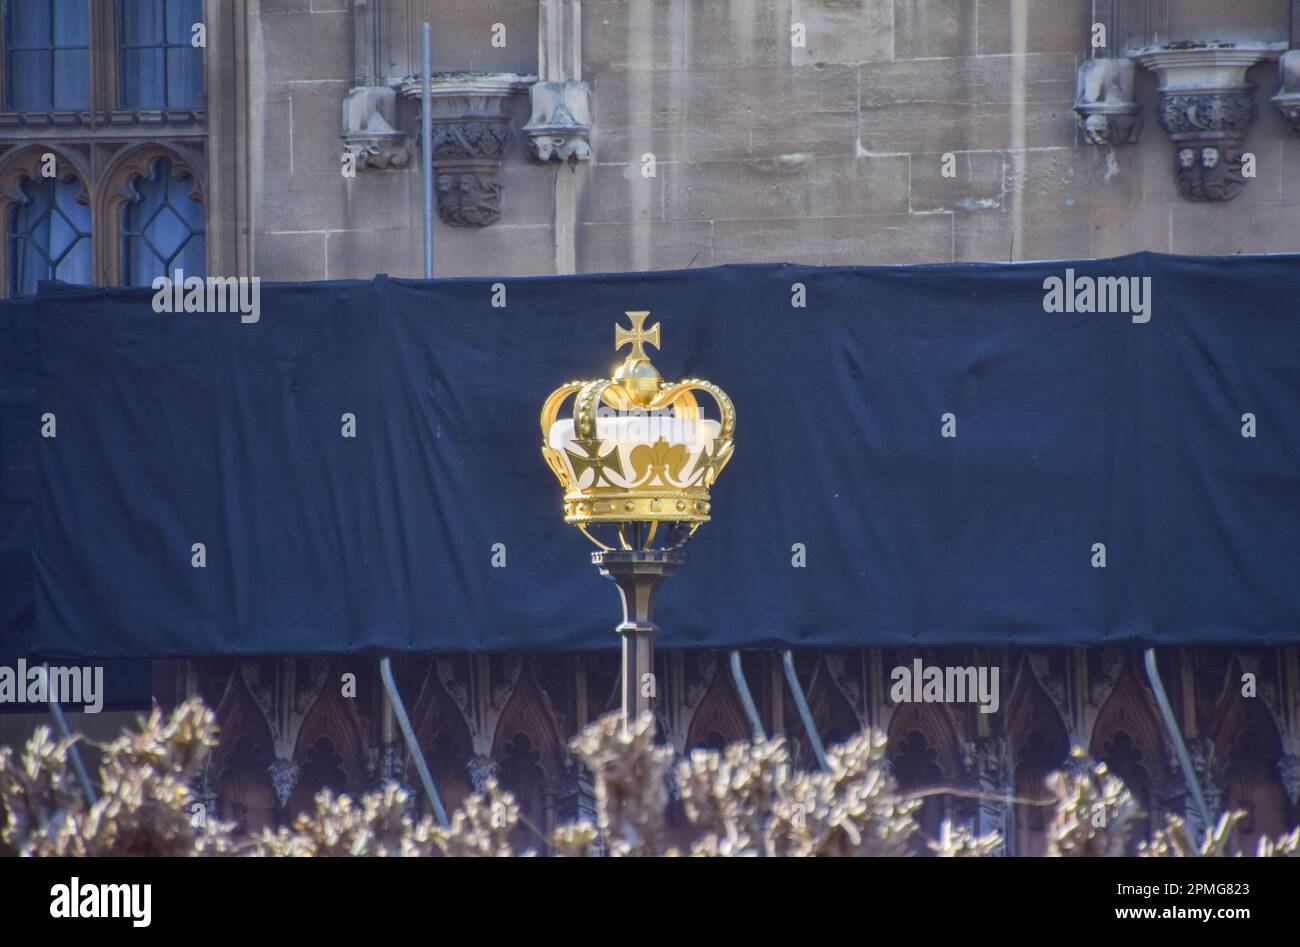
<point x="608" y="135"/>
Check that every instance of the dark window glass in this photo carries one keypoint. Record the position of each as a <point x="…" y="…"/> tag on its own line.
<point x="47" y="55"/>
<point x="159" y="66"/>
<point x="163" y="231"/>
<point x="49" y="236"/>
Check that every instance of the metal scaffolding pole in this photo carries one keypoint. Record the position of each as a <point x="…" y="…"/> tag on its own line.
<point x="805" y="714"/>
<point x="1176" y="736"/>
<point x="417" y="757"/>
<point x="426" y="144"/>
<point x="746" y="700"/>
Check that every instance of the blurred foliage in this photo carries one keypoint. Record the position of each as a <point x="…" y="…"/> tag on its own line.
<point x="145" y="806"/>
<point x="745" y="800"/>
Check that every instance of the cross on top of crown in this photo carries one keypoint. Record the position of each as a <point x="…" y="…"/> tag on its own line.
<point x="636" y="335"/>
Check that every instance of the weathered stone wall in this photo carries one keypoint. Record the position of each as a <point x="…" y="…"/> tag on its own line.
<point x="832" y="154"/>
<point x="827" y="153"/>
<point x="311" y="222"/>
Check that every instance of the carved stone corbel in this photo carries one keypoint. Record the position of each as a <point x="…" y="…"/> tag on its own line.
<point x="560" y="127"/>
<point x="1287" y="99"/>
<point x="283" y="776"/>
<point x="369" y="135"/>
<point x="1207" y="107"/>
<point x="471" y="132"/>
<point x="1104" y="101"/>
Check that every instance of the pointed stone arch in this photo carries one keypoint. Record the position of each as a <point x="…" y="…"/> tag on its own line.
<point x="330" y="749"/>
<point x="245" y="748"/>
<point x="529" y="756"/>
<point x="1247" y="745"/>
<point x="445" y="739"/>
<point x="118" y="186"/>
<point x="833" y="715"/>
<point x="925" y="753"/>
<point x="1038" y="742"/>
<point x="718" y="720"/>
<point x="935" y="724"/>
<point x="529" y="712"/>
<point x="1129" y="738"/>
<point x="24" y="163"/>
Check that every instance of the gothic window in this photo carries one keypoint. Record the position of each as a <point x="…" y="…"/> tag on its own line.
<point x="246" y="797"/>
<point x="1039" y="745"/>
<point x="916" y="767"/>
<point x="159" y="65"/>
<point x="47" y="55"/>
<point x="49" y="235"/>
<point x="1126" y="759"/>
<point x="521" y="773"/>
<point x="322" y="768"/>
<point x="162" y="228"/>
<point x="106" y="89"/>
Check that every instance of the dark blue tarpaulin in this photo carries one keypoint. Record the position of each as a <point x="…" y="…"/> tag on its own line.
<point x="1072" y="429"/>
<point x="19" y="421"/>
<point x="127" y="683"/>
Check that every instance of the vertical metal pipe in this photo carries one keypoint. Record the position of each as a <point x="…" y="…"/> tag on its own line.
<point x="746" y="700"/>
<point x="73" y="753"/>
<point x="805" y="714"/>
<point x="1184" y="760"/>
<point x="426" y="143"/>
<point x="417" y="757"/>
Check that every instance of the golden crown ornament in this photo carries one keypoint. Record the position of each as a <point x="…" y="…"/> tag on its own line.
<point x="637" y="449"/>
<point x="637" y="458"/>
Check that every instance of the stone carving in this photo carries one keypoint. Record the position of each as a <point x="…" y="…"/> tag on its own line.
<point x="283" y="775"/>
<point x="1201" y="752"/>
<point x="697" y="685"/>
<point x="206" y="789"/>
<point x="369" y="135"/>
<point x="1207" y="107"/>
<point x="1108" y="112"/>
<point x="512" y="665"/>
<point x="1209" y="174"/>
<point x="392" y="763"/>
<point x="847" y="684"/>
<point x="305" y="694"/>
<point x="471" y="121"/>
<point x="984" y="762"/>
<point x="481" y="769"/>
<point x="985" y="771"/>
<point x="1053" y="684"/>
<point x="469" y="200"/>
<point x="1208" y="116"/>
<point x="481" y="697"/>
<point x="561" y="122"/>
<point x="1112" y="665"/>
<point x="1287" y="99"/>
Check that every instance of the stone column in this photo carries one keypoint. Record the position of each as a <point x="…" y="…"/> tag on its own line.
<point x="986" y="772"/>
<point x="560" y="127"/>
<point x="370" y="135"/>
